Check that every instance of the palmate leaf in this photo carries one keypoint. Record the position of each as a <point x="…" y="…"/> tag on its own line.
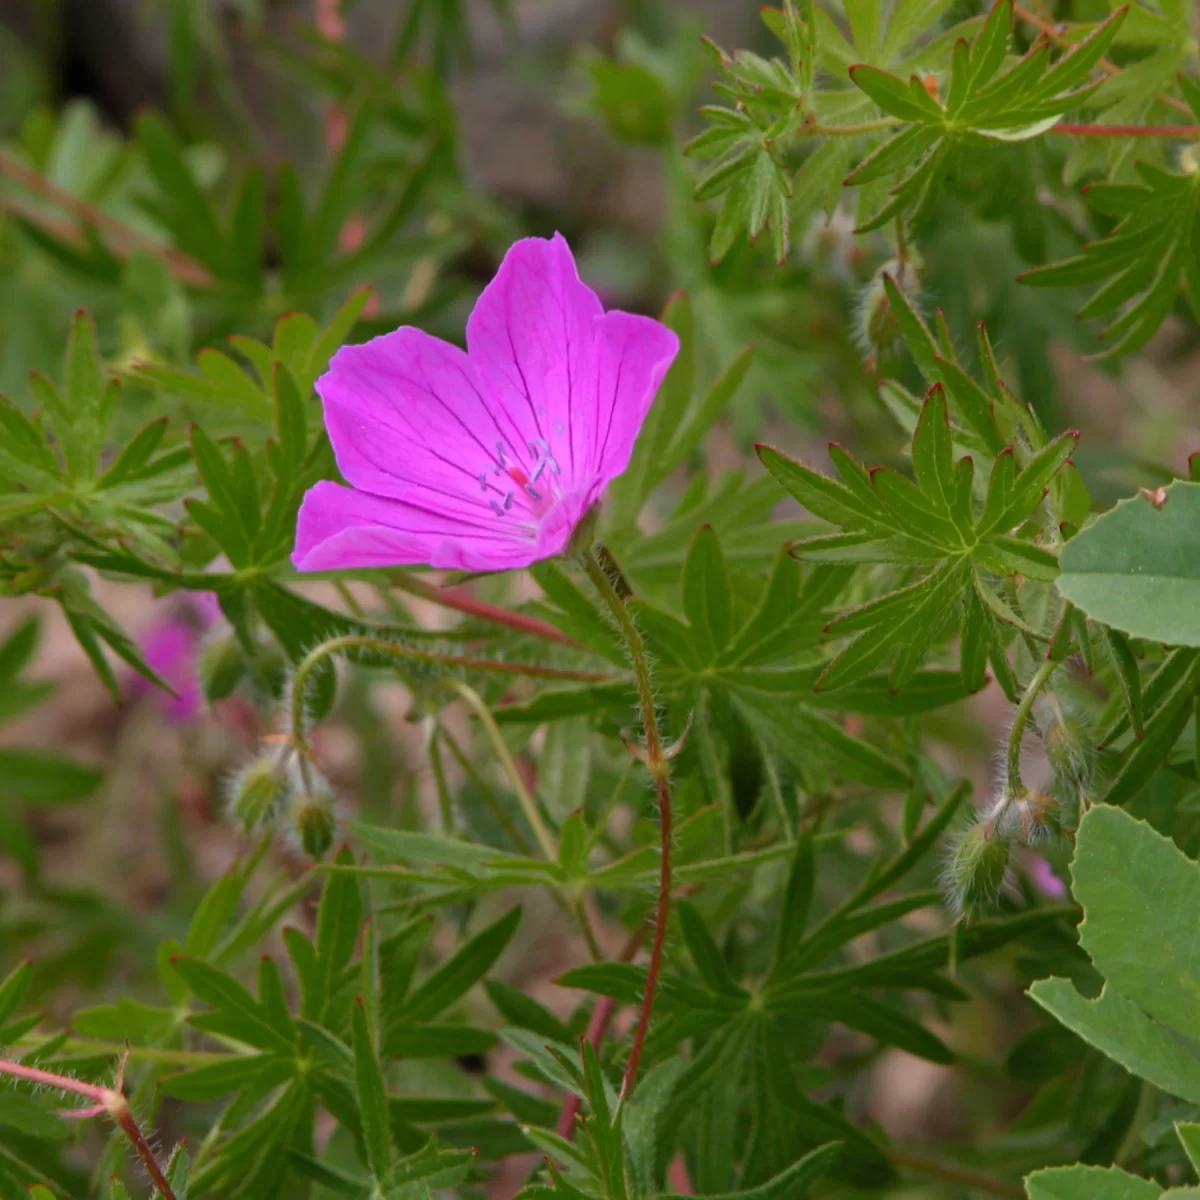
<point x="748" y="1032"/>
<point x="932" y="527"/>
<point x="1139" y="267"/>
<point x="981" y="102"/>
<point x="746" y="143"/>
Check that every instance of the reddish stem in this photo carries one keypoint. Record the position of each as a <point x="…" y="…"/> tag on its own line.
<point x="1055" y="34"/>
<point x="109" y="1100"/>
<point x="123" y="238"/>
<point x="463" y="602"/>
<point x="597" y="1028"/>
<point x="1162" y="131"/>
<point x="124" y="1118"/>
<point x="661" y="913"/>
<point x="64" y="1083"/>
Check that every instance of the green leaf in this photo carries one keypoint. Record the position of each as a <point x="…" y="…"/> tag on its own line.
<point x="43" y="778"/>
<point x="1138" y="892"/>
<point x="1137" y="567"/>
<point x="1089" y="1183"/>
<point x="1139" y="265"/>
<point x="896" y="97"/>
<point x="436" y="1041"/>
<point x="706" y="954"/>
<point x="707" y="600"/>
<point x="796" y="902"/>
<point x="461" y="971"/>
<point x="339" y="921"/>
<point x="372" y="1101"/>
<point x="14" y="989"/>
<point x="238" y="1014"/>
<point x="1119" y="1028"/>
<point x="1129" y="676"/>
<point x="22" y="1115"/>
<point x="521" y="1010"/>
<point x="186" y="209"/>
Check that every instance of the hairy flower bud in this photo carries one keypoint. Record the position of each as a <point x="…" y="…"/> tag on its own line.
<point x="977" y="869"/>
<point x="313" y="822"/>
<point x="877" y="324"/>
<point x="258" y="792"/>
<point x="1067" y="739"/>
<point x="829" y="245"/>
<point x="220" y="665"/>
<point x="1029" y="818"/>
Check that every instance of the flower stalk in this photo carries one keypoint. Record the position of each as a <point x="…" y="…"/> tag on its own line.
<point x="1041" y="677"/>
<point x="387" y="649"/>
<point x="658" y="764"/>
<point x="104" y="1100"/>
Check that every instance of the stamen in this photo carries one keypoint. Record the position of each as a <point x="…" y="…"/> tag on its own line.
<point x="483" y="483"/>
<point x="502" y="507"/>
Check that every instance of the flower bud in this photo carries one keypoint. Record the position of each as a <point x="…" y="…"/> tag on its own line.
<point x="829" y="245"/>
<point x="220" y="665"/>
<point x="1068" y="742"/>
<point x="314" y="824"/>
<point x="258" y="792"/>
<point x="1029" y="818"/>
<point x="877" y="324"/>
<point x="977" y="870"/>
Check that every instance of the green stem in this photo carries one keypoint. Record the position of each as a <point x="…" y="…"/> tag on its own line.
<point x="445" y="801"/>
<point x="1020" y="721"/>
<point x="524" y="797"/>
<point x="572" y="905"/>
<point x="387" y="649"/>
<point x="658" y="765"/>
<point x="816" y="129"/>
<point x="518" y="839"/>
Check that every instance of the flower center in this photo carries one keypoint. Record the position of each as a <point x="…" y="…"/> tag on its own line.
<point x="534" y="492"/>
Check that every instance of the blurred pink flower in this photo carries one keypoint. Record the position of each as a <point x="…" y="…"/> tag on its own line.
<point x="1044" y="878"/>
<point x="170" y="646"/>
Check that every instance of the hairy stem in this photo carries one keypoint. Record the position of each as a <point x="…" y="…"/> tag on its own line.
<point x="952" y="1173"/>
<point x="109" y="1100"/>
<point x="1020" y="721"/>
<point x="659" y="767"/>
<point x="381" y="646"/>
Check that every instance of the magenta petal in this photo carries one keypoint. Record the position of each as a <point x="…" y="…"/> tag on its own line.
<point x="486" y="461"/>
<point x="633" y="354"/>
<point x="532" y="339"/>
<point x="339" y="528"/>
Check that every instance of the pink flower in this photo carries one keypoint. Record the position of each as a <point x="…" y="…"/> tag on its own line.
<point x="169" y="646"/>
<point x="489" y="459"/>
<point x="1043" y="876"/>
